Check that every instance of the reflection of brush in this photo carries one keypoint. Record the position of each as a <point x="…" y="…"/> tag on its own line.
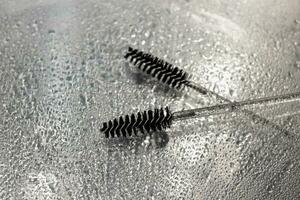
<point x="160" y="119"/>
<point x="177" y="78"/>
<point x="161" y="70"/>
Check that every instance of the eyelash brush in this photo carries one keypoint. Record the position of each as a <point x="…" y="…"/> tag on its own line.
<point x="161" y="119"/>
<point x="176" y="78"/>
<point x="161" y="70"/>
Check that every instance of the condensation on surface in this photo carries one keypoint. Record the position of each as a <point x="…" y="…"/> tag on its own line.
<point x="63" y="74"/>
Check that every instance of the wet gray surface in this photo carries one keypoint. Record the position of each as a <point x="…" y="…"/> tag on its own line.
<point x="63" y="73"/>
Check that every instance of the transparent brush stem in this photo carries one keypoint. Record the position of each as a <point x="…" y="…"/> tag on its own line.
<point x="232" y="107"/>
<point x="249" y="113"/>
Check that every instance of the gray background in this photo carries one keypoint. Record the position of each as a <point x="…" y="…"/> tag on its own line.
<point x="63" y="73"/>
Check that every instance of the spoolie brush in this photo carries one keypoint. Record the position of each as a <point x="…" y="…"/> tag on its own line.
<point x="161" y="119"/>
<point x="161" y="70"/>
<point x="143" y="122"/>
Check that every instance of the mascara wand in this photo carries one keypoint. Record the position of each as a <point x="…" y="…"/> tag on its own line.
<point x="161" y="119"/>
<point x="176" y="78"/>
<point x="163" y="71"/>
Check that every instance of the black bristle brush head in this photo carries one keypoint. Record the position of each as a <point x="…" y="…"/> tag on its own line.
<point x="158" y="68"/>
<point x="144" y="122"/>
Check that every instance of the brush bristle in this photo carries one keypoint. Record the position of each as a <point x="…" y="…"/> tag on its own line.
<point x="158" y="68"/>
<point x="143" y="122"/>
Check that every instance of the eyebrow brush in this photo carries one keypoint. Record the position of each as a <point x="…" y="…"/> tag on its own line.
<point x="161" y="70"/>
<point x="161" y="119"/>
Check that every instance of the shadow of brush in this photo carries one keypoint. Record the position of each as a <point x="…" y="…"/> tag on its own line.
<point x="148" y="142"/>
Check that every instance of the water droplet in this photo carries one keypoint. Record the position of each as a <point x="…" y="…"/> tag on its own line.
<point x="297" y="64"/>
<point x="277" y="45"/>
<point x="147" y="34"/>
<point x="231" y="92"/>
<point x="51" y="31"/>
